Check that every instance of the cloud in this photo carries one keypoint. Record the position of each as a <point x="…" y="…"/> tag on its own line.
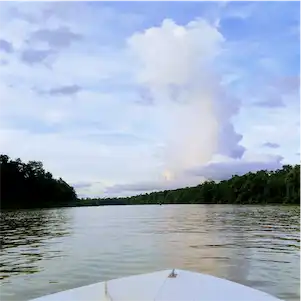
<point x="271" y="145"/>
<point x="135" y="187"/>
<point x="177" y="75"/>
<point x="288" y="84"/>
<point x="64" y="90"/>
<point x="224" y="170"/>
<point x="33" y="56"/>
<point x="240" y="10"/>
<point x="90" y="161"/>
<point x="270" y="103"/>
<point x="6" y="46"/>
<point x="229" y="142"/>
<point x="279" y="125"/>
<point x="79" y="185"/>
<point x="148" y="186"/>
<point x="3" y="62"/>
<point x="55" y="38"/>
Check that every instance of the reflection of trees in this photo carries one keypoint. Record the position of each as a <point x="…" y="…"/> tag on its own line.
<point x="225" y="242"/>
<point x="237" y="223"/>
<point x="25" y="236"/>
<point x="185" y="234"/>
<point x="263" y="238"/>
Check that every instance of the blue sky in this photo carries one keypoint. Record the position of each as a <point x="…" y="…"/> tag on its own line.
<point x="119" y="98"/>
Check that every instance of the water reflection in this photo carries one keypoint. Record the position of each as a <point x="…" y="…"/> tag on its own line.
<point x="67" y="248"/>
<point x="265" y="241"/>
<point x="28" y="236"/>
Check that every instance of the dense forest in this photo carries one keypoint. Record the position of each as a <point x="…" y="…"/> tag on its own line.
<point x="30" y="186"/>
<point x="263" y="187"/>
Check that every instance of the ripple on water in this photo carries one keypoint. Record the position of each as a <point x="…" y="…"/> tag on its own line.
<point x="45" y="251"/>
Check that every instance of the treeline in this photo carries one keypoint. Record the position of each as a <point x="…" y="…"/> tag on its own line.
<point x="263" y="187"/>
<point x="28" y="185"/>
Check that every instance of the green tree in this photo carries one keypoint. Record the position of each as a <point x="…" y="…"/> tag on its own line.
<point x="262" y="187"/>
<point x="30" y="186"/>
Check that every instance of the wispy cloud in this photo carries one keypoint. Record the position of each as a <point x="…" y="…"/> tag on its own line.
<point x="34" y="56"/>
<point x="55" y="38"/>
<point x="6" y="46"/>
<point x="224" y="170"/>
<point x="271" y="145"/>
<point x="80" y="185"/>
<point x="270" y="103"/>
<point x="64" y="90"/>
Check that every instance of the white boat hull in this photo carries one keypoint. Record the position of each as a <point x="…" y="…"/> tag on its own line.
<point x="163" y="286"/>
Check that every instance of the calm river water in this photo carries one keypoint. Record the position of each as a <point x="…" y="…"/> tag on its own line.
<point x="46" y="251"/>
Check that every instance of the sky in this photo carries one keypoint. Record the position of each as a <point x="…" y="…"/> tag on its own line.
<point x="122" y="98"/>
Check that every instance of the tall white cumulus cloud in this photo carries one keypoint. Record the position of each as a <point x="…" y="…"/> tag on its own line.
<point x="177" y="65"/>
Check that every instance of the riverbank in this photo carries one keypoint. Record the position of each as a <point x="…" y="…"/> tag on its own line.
<point x="29" y="186"/>
<point x="263" y="187"/>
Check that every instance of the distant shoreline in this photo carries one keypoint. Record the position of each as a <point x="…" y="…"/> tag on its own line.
<point x="29" y="186"/>
<point x="280" y="187"/>
<point x="128" y="205"/>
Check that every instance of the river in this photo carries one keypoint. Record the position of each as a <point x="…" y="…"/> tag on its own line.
<point x="46" y="251"/>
